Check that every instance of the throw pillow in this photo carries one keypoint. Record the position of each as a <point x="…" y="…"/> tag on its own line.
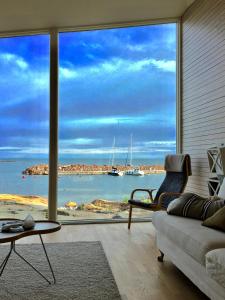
<point x="216" y="221"/>
<point x="193" y="206"/>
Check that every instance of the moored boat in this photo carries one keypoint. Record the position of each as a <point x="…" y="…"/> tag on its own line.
<point x="115" y="172"/>
<point x="135" y="172"/>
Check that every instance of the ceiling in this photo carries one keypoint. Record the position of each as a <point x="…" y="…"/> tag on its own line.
<point x="19" y="15"/>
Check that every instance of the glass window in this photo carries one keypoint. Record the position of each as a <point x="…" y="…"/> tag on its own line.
<point x="117" y="117"/>
<point x="24" y="126"/>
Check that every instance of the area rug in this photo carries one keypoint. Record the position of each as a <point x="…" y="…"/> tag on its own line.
<point x="81" y="269"/>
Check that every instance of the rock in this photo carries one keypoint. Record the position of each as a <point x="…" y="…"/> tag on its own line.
<point x="71" y="205"/>
<point x="117" y="217"/>
<point x="62" y="212"/>
<point x="101" y="205"/>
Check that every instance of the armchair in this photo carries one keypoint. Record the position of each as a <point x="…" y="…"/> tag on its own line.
<point x="178" y="168"/>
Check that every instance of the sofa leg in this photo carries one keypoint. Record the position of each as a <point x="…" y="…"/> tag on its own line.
<point x="130" y="215"/>
<point x="161" y="256"/>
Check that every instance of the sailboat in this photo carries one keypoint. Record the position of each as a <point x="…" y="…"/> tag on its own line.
<point x="114" y="171"/>
<point x="135" y="171"/>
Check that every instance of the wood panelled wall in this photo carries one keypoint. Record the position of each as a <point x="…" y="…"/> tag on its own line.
<point x="203" y="86"/>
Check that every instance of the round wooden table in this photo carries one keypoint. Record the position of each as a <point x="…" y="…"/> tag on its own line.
<point x="41" y="227"/>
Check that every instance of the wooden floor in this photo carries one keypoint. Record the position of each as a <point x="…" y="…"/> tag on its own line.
<point x="132" y="257"/>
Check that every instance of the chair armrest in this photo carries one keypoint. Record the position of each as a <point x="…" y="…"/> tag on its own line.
<point x="149" y="191"/>
<point x="167" y="195"/>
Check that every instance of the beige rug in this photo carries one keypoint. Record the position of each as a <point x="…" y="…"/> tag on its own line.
<point x="81" y="269"/>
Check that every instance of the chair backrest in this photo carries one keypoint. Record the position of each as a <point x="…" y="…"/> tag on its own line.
<point x="178" y="168"/>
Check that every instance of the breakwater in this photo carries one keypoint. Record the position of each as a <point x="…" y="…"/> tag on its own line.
<point x="84" y="169"/>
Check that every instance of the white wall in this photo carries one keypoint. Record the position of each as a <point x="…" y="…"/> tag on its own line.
<point x="203" y="117"/>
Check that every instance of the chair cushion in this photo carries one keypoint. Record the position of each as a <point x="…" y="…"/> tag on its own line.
<point x="189" y="235"/>
<point x="215" y="265"/>
<point x="141" y="204"/>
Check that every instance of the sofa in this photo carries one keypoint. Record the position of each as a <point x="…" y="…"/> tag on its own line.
<point x="198" y="251"/>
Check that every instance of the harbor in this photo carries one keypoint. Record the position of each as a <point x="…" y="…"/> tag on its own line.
<point x="92" y="169"/>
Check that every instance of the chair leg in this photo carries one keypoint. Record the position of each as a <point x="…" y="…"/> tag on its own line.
<point x="161" y="256"/>
<point x="130" y="215"/>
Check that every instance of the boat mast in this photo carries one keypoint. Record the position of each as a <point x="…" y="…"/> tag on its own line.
<point x="113" y="150"/>
<point x="131" y="149"/>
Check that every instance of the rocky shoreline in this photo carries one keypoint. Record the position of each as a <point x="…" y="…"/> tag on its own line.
<point x="83" y="169"/>
<point x="18" y="206"/>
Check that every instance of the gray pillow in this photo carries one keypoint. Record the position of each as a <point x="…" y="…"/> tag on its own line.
<point x="216" y="221"/>
<point x="193" y="206"/>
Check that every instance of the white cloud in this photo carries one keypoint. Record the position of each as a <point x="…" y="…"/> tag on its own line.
<point x="160" y="143"/>
<point x="115" y="120"/>
<point x="136" y="48"/>
<point x="117" y="65"/>
<point x="165" y="65"/>
<point x="80" y="141"/>
<point x="67" y="73"/>
<point x="14" y="60"/>
<point x="9" y="148"/>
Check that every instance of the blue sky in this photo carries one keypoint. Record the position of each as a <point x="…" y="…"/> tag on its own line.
<point x="113" y="82"/>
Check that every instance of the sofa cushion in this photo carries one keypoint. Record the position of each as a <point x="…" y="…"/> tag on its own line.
<point x="193" y="206"/>
<point x="217" y="221"/>
<point x="189" y="235"/>
<point x="215" y="265"/>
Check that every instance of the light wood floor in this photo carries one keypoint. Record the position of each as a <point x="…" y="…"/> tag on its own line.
<point x="132" y="257"/>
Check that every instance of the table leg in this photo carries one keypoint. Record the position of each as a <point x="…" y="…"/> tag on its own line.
<point x="13" y="249"/>
<point x="4" y="263"/>
<point x="53" y="275"/>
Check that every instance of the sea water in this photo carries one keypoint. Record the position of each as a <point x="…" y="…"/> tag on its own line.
<point x="78" y="188"/>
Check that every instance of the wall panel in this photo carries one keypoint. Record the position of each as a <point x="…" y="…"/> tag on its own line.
<point x="203" y="86"/>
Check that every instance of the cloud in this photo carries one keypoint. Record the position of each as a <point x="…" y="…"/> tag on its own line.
<point x="79" y="142"/>
<point x="116" y="121"/>
<point x="165" y="65"/>
<point x="14" y="60"/>
<point x="117" y="65"/>
<point x="67" y="73"/>
<point x="112" y="82"/>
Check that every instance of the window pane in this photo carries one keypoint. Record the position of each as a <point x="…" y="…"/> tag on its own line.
<point x="24" y="125"/>
<point x="117" y="109"/>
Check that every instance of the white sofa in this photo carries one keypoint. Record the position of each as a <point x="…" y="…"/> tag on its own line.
<point x="198" y="251"/>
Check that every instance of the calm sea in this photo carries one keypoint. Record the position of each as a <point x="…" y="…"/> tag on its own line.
<point x="79" y="188"/>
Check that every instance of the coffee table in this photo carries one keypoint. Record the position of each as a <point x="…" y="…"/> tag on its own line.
<point x="41" y="227"/>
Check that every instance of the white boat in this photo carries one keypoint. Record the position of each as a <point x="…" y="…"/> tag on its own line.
<point x="114" y="171"/>
<point x="135" y="171"/>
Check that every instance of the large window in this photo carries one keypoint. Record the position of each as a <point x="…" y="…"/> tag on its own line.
<point x="24" y="125"/>
<point x="117" y="114"/>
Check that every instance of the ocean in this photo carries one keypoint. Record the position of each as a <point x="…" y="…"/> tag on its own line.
<point x="78" y="188"/>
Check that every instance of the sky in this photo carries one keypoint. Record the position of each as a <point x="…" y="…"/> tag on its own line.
<point x="113" y="83"/>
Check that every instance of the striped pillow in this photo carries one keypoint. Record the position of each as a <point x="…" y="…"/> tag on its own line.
<point x="193" y="206"/>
